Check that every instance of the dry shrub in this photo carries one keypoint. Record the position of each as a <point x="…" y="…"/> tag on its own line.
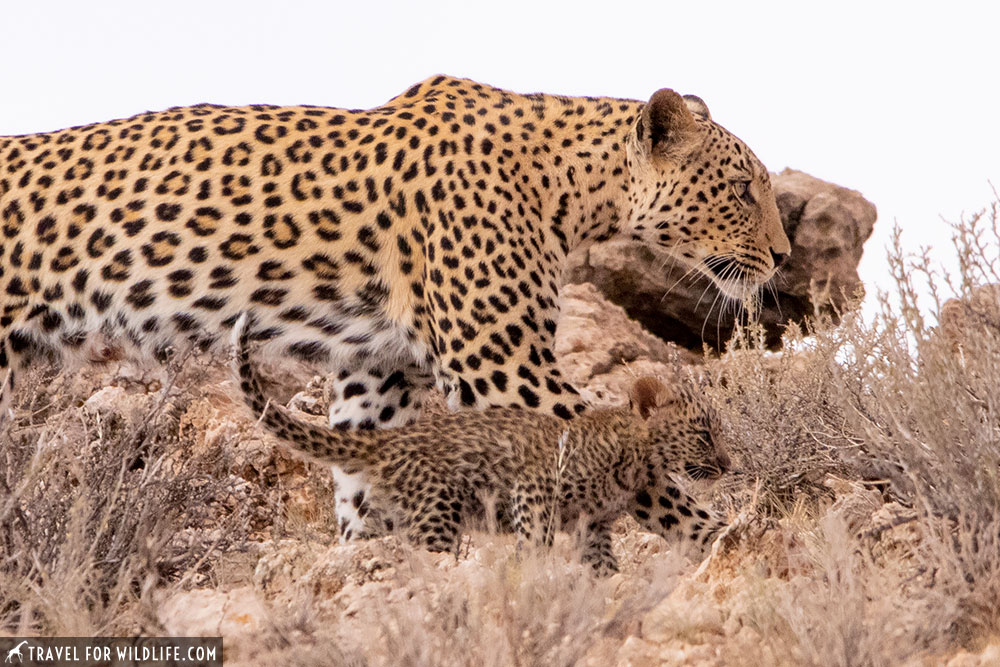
<point x="781" y="419"/>
<point x="929" y="406"/>
<point x="842" y="609"/>
<point x="93" y="509"/>
<point x="911" y="409"/>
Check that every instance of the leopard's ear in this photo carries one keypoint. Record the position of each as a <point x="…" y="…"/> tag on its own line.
<point x="648" y="394"/>
<point x="666" y="127"/>
<point x="697" y="106"/>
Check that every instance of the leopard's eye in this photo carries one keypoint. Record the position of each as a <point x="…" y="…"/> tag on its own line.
<point x="742" y="190"/>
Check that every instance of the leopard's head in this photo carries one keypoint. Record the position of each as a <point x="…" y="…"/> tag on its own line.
<point x="699" y="193"/>
<point x="681" y="426"/>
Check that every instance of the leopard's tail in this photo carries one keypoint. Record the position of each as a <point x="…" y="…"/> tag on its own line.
<point x="349" y="449"/>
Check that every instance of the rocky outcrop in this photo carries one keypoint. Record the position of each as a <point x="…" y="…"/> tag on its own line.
<point x="601" y="350"/>
<point x="964" y="323"/>
<point x="827" y="225"/>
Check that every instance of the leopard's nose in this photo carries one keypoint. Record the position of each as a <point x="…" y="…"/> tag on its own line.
<point x="723" y="462"/>
<point x="778" y="258"/>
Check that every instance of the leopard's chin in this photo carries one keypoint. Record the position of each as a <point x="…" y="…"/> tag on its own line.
<point x="737" y="290"/>
<point x="736" y="279"/>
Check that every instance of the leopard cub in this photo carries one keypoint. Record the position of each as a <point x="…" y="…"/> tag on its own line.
<point x="539" y="471"/>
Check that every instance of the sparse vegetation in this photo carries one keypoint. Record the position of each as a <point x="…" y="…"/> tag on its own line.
<point x="867" y="495"/>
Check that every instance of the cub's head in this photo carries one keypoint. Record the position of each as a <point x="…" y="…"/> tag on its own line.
<point x="700" y="194"/>
<point x="680" y="441"/>
<point x="681" y="431"/>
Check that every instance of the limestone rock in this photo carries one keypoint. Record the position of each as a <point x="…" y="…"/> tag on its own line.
<point x="602" y="350"/>
<point x="855" y="503"/>
<point x="207" y="613"/>
<point x="966" y="322"/>
<point x="988" y="656"/>
<point x="827" y="226"/>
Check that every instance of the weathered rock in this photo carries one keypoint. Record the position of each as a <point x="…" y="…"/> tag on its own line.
<point x="827" y="226"/>
<point x="967" y="322"/>
<point x="988" y="656"/>
<point x="855" y="503"/>
<point x="602" y="350"/>
<point x="289" y="565"/>
<point x="205" y="613"/>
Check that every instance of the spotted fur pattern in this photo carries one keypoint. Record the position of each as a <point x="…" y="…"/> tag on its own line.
<point x="415" y="243"/>
<point x="538" y="471"/>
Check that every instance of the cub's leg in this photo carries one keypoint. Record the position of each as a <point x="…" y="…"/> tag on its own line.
<point x="367" y="396"/>
<point x="435" y="519"/>
<point x="597" y="548"/>
<point x="531" y="514"/>
<point x="676" y="516"/>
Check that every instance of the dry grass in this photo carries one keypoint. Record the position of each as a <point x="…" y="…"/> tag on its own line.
<point x="533" y="610"/>
<point x="99" y="507"/>
<point x="868" y="487"/>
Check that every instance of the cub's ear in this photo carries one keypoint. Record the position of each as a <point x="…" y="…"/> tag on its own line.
<point x="648" y="394"/>
<point x="697" y="106"/>
<point x="666" y="127"/>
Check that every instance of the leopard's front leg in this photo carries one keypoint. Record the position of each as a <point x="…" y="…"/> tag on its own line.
<point x="501" y="353"/>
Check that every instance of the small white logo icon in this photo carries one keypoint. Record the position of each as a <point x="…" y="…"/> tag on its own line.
<point x="16" y="651"/>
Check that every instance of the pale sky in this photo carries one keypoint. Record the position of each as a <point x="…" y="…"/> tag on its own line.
<point x="896" y="100"/>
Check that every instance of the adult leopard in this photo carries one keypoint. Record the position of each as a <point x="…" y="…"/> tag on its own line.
<point x="415" y="243"/>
